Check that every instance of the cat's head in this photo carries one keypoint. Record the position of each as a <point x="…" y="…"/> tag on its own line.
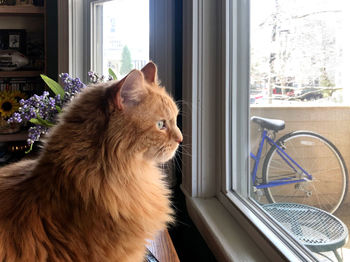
<point x="149" y="115"/>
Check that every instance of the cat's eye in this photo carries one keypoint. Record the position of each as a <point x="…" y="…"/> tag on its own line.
<point x="161" y="124"/>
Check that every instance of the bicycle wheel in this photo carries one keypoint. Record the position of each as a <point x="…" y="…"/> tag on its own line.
<point x="318" y="157"/>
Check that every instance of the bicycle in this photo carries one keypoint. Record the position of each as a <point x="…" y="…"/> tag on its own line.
<point x="300" y="167"/>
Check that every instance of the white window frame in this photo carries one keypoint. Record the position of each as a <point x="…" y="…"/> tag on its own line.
<point x="72" y="38"/>
<point x="215" y="83"/>
<point x="77" y="38"/>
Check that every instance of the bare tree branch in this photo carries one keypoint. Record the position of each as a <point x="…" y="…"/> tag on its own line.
<point x="316" y="13"/>
<point x="305" y="15"/>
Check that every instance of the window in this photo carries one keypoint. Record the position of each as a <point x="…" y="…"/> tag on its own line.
<point x="221" y="61"/>
<point x="218" y="135"/>
<point x="120" y="35"/>
<point x="298" y="72"/>
<point x="124" y="34"/>
<point x="298" y="51"/>
<point x="94" y="35"/>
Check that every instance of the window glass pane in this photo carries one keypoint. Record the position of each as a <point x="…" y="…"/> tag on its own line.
<point x="121" y="34"/>
<point x="298" y="52"/>
<point x="299" y="64"/>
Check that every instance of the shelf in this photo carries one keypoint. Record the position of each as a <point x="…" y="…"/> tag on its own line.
<point x="20" y="73"/>
<point x="22" y="9"/>
<point x="21" y="136"/>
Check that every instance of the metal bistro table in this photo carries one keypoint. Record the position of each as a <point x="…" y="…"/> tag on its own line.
<point x="317" y="229"/>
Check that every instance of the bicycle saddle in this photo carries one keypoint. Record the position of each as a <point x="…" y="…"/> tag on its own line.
<point x="271" y="124"/>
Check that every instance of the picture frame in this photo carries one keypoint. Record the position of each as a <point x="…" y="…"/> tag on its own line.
<point x="14" y="39"/>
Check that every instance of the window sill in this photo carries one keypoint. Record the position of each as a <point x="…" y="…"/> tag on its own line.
<point x="223" y="234"/>
<point x="232" y="237"/>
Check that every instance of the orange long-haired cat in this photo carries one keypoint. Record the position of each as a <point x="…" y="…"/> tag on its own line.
<point x="95" y="192"/>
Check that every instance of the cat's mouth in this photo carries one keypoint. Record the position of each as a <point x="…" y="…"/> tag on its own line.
<point x="166" y="153"/>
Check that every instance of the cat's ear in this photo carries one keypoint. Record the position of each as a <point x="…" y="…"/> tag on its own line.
<point x="150" y="72"/>
<point x="131" y="91"/>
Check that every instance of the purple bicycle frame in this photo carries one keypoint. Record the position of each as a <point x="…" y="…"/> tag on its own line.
<point x="285" y="157"/>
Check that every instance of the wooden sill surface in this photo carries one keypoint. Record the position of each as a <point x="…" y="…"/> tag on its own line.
<point x="163" y="249"/>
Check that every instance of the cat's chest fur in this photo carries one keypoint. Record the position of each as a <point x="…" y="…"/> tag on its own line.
<point x="112" y="225"/>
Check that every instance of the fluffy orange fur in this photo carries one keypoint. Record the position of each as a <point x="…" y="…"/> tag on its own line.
<point x="95" y="193"/>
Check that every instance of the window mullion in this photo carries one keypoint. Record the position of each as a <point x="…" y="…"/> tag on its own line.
<point x="203" y="125"/>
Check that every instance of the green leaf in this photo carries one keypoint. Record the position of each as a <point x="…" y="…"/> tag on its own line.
<point x="30" y="149"/>
<point x="35" y="121"/>
<point x="59" y="109"/>
<point x="54" y="86"/>
<point x="112" y="74"/>
<point x="41" y="122"/>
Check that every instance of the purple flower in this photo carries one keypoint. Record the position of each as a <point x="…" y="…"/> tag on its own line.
<point x="45" y="107"/>
<point x="35" y="132"/>
<point x="96" y="78"/>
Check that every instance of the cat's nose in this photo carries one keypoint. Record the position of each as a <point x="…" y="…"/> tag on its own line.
<point x="177" y="135"/>
<point x="179" y="138"/>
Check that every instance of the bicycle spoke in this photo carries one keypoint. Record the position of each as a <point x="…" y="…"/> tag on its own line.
<point x="319" y="158"/>
<point x="324" y="198"/>
<point x="323" y="171"/>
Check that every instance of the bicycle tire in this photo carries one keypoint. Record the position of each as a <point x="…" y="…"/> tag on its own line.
<point x="320" y="158"/>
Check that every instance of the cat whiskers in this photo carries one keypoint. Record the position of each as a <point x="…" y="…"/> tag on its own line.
<point x="177" y="160"/>
<point x="185" y="150"/>
<point x="181" y="104"/>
